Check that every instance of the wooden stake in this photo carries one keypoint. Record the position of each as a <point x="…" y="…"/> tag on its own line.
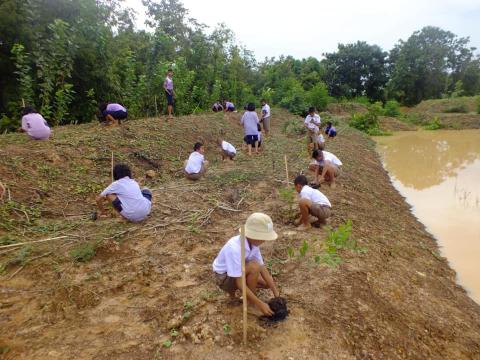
<point x="286" y="168"/>
<point x="156" y="112"/>
<point x="244" y="285"/>
<point x="34" y="242"/>
<point x="112" y="167"/>
<point x="23" y="102"/>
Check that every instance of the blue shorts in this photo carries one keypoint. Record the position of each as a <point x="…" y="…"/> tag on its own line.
<point x="117" y="115"/>
<point x="117" y="204"/>
<point x="169" y="98"/>
<point x="250" y="139"/>
<point x="332" y="133"/>
<point x="231" y="108"/>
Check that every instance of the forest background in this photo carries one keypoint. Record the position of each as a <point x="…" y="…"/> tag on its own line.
<point x="64" y="57"/>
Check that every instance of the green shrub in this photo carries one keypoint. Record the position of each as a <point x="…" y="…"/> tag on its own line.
<point x="392" y="108"/>
<point x="457" y="108"/>
<point x="293" y="127"/>
<point x="360" y="100"/>
<point x="84" y="252"/>
<point x="435" y="124"/>
<point x="318" y="96"/>
<point x="364" y="122"/>
<point x="413" y="118"/>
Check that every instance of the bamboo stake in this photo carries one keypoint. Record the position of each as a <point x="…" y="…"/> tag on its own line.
<point x="244" y="285"/>
<point x="286" y="168"/>
<point x="156" y="110"/>
<point x="33" y="242"/>
<point x="23" y="102"/>
<point x="112" y="167"/>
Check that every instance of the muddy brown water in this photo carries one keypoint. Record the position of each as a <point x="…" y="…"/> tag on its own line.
<point x="439" y="174"/>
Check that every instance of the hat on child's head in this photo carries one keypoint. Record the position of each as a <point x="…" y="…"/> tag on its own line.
<point x="260" y="227"/>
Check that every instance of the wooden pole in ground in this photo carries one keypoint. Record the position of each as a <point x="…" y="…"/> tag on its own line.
<point x="156" y="112"/>
<point x="286" y="168"/>
<point x="244" y="284"/>
<point x="23" y="102"/>
<point x="111" y="172"/>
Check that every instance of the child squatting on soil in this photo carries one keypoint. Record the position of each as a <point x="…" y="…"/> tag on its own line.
<point x="111" y="113"/>
<point x="196" y="165"/>
<point x="326" y="167"/>
<point x="125" y="196"/>
<point x="34" y="124"/>
<point x="227" y="266"/>
<point x="227" y="150"/>
<point x="311" y="202"/>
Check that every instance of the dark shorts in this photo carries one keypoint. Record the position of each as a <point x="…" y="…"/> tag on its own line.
<point x="117" y="204"/>
<point x="118" y="115"/>
<point x="225" y="282"/>
<point x="250" y="139"/>
<point x="231" y="108"/>
<point x="169" y="98"/>
<point x="332" y="133"/>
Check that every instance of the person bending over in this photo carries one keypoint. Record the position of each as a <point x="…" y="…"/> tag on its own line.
<point x="311" y="202"/>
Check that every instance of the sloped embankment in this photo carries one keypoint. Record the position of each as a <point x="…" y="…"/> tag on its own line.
<point x="144" y="291"/>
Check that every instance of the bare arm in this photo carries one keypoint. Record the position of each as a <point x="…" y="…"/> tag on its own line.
<point x="263" y="307"/>
<point x="269" y="280"/>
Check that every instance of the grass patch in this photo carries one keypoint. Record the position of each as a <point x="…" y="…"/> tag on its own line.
<point x="456" y="108"/>
<point x="434" y="124"/>
<point x="84" y="252"/>
<point x="235" y="176"/>
<point x="294" y="127"/>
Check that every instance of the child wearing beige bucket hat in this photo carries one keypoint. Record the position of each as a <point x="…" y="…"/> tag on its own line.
<point x="227" y="266"/>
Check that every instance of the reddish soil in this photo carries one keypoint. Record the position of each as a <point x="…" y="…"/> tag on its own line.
<point x="396" y="299"/>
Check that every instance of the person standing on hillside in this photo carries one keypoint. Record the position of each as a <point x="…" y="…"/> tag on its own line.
<point x="34" y="124"/>
<point x="250" y="123"/>
<point x="312" y="123"/>
<point x="265" y="119"/>
<point x="169" y="92"/>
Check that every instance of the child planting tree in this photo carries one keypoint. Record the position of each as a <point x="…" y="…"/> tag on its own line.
<point x="227" y="266"/>
<point x="311" y="202"/>
<point x="227" y="150"/>
<point x="326" y="167"/>
<point x="34" y="124"/>
<point x="125" y="196"/>
<point x="111" y="113"/>
<point x="196" y="165"/>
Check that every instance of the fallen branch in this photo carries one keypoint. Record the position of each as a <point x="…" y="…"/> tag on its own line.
<point x="26" y="262"/>
<point x="227" y="208"/>
<point x="36" y="241"/>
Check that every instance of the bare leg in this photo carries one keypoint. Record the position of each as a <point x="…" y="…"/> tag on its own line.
<point x="256" y="147"/>
<point x="304" y="205"/>
<point x="249" y="149"/>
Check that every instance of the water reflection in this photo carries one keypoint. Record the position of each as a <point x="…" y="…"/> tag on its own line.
<point x="439" y="174"/>
<point x="433" y="156"/>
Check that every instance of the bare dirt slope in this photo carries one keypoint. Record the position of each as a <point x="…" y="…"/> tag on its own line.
<point x="148" y="293"/>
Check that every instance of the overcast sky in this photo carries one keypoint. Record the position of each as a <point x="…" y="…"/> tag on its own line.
<point x="305" y="28"/>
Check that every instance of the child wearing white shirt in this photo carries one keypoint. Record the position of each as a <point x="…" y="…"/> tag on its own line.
<point x="311" y="202"/>
<point x="227" y="266"/>
<point x="265" y="119"/>
<point x="326" y="167"/>
<point x="196" y="165"/>
<point x="312" y="122"/>
<point x="125" y="196"/>
<point x="227" y="150"/>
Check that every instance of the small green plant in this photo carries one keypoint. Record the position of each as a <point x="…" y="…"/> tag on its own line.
<point x="84" y="252"/>
<point x="167" y="344"/>
<point x="392" y="108"/>
<point x="174" y="333"/>
<point x="291" y="252"/>
<point x="227" y="329"/>
<point x="304" y="248"/>
<point x="188" y="305"/>
<point x="435" y="124"/>
<point x="293" y="127"/>
<point x="186" y="315"/>
<point x="367" y="122"/>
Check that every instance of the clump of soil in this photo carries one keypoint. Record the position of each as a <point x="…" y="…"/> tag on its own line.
<point x="279" y="308"/>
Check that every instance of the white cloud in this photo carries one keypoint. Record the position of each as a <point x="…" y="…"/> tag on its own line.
<point x="309" y="28"/>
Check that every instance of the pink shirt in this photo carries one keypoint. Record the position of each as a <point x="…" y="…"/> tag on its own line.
<point x="115" y="107"/>
<point x="35" y="126"/>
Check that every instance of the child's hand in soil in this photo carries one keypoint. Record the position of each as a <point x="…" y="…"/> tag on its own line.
<point x="265" y="309"/>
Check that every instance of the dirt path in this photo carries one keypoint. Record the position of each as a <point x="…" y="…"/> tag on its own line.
<point x="148" y="291"/>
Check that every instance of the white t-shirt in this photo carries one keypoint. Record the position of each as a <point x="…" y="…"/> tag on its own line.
<point x="35" y="126"/>
<point x="135" y="207"/>
<point x="313" y="122"/>
<point x="314" y="195"/>
<point x="320" y="139"/>
<point x="332" y="158"/>
<point x="194" y="163"/>
<point x="266" y="110"/>
<point x="250" y="122"/>
<point x="229" y="259"/>
<point x="228" y="147"/>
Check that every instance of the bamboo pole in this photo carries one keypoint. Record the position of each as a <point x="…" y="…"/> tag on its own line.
<point x="111" y="172"/>
<point x="156" y="109"/>
<point x="286" y="168"/>
<point x="244" y="285"/>
<point x="23" y="102"/>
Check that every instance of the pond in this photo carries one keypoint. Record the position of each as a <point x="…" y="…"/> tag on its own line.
<point x="439" y="174"/>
